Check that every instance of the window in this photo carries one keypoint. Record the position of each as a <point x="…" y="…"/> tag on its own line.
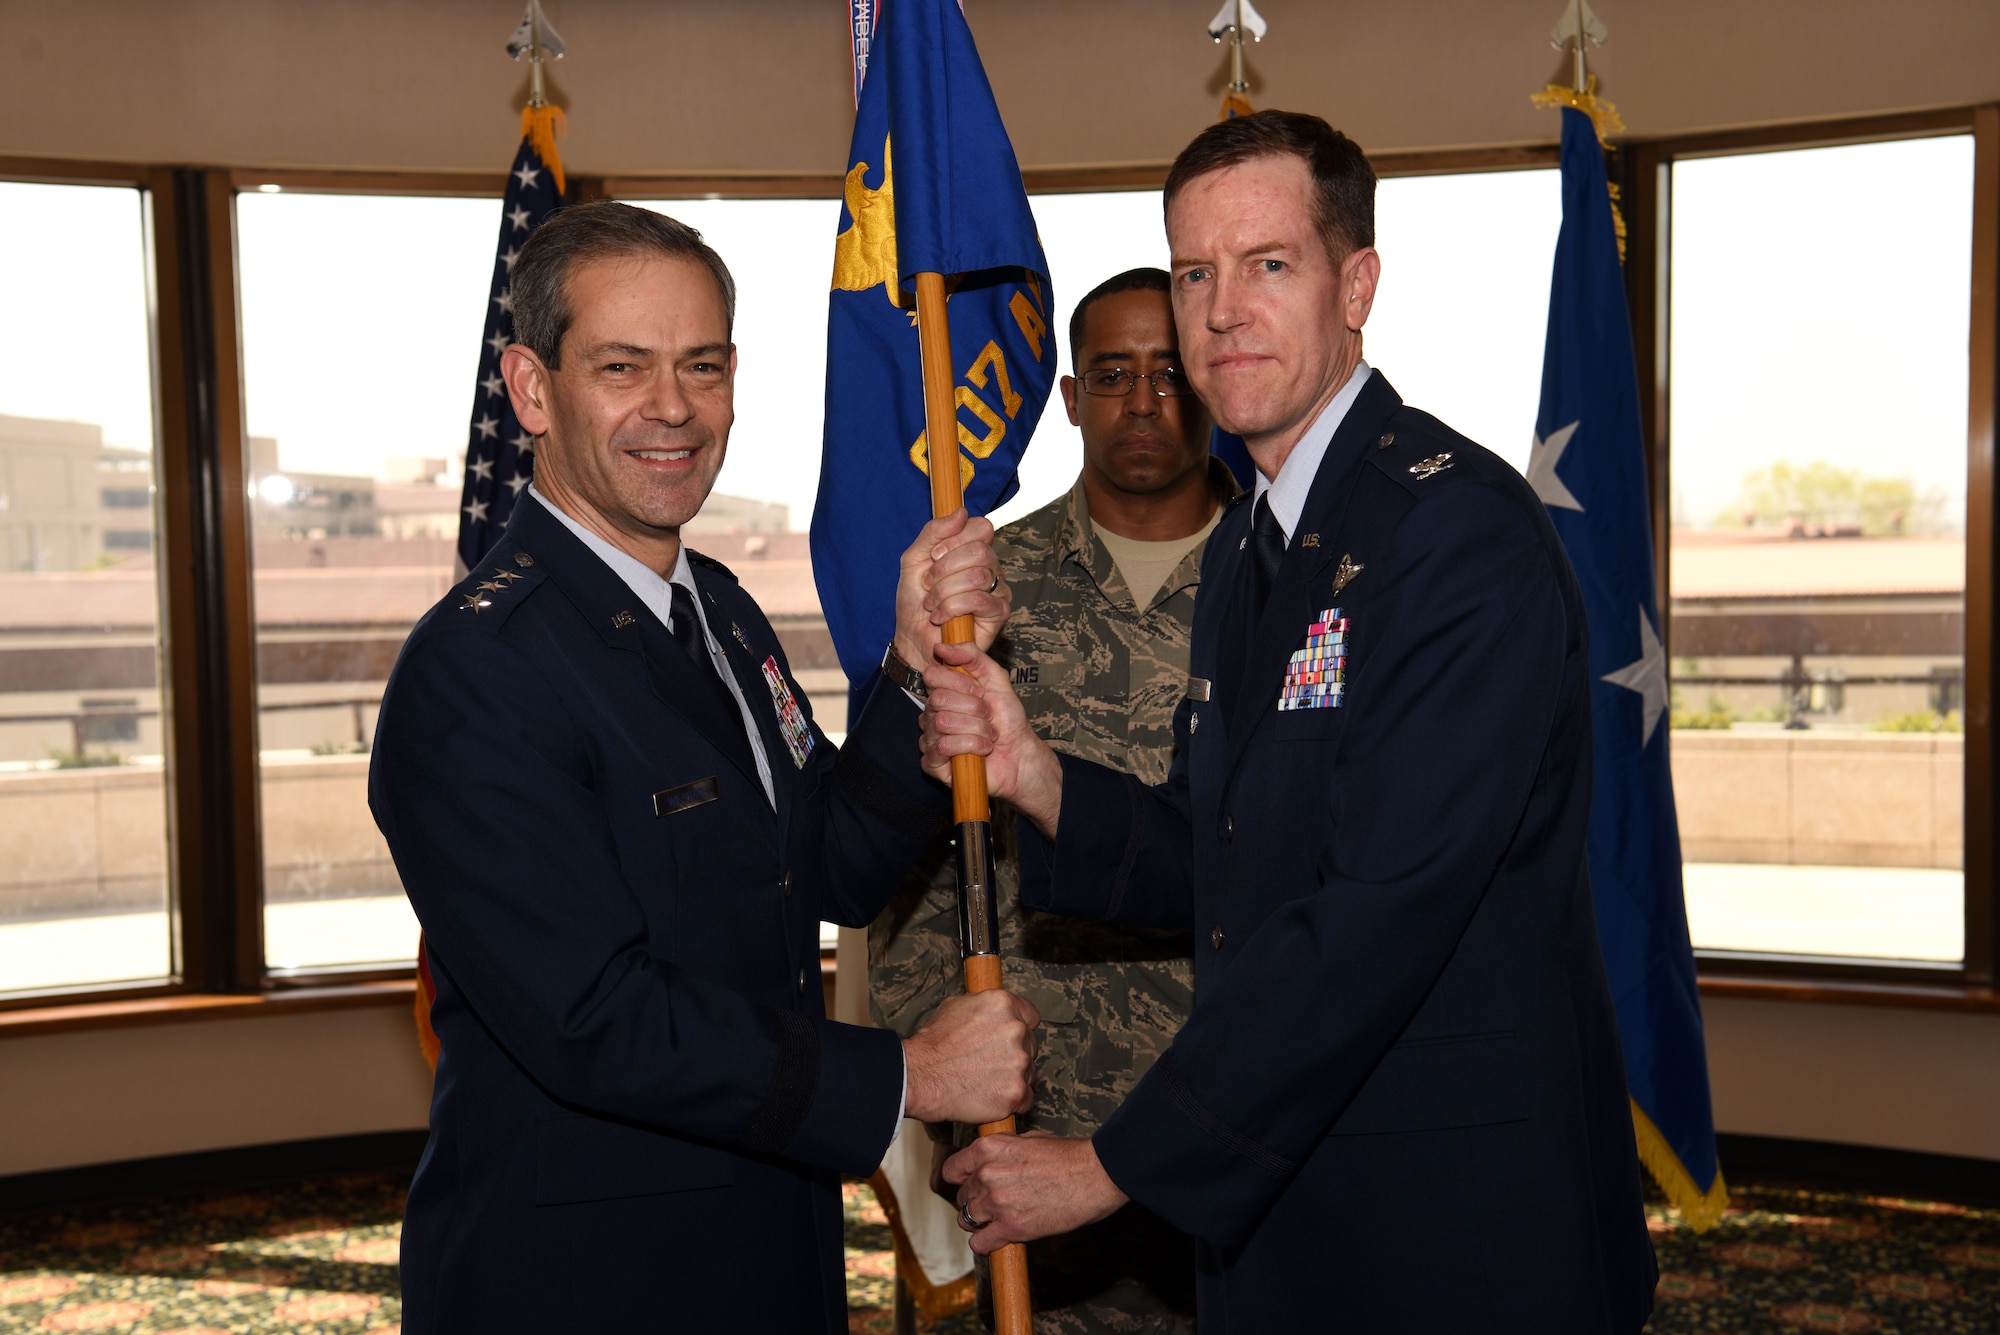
<point x="357" y="423"/>
<point x="1461" y="312"/>
<point x="83" y="829"/>
<point x="1818" y="500"/>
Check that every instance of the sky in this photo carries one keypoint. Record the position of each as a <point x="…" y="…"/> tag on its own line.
<point x="1811" y="319"/>
<point x="1821" y="310"/>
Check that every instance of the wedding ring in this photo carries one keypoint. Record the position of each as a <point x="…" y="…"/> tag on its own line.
<point x="965" y="1217"/>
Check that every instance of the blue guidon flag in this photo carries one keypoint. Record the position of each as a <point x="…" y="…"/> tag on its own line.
<point x="932" y="187"/>
<point x="1588" y="466"/>
<point x="499" y="455"/>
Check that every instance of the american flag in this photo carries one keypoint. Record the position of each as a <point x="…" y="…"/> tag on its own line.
<point x="499" y="455"/>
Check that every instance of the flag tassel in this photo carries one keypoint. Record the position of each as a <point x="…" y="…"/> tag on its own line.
<point x="541" y="123"/>
<point x="1702" y="1209"/>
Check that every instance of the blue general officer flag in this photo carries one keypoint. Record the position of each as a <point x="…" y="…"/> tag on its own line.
<point x="499" y="455"/>
<point x="932" y="187"/>
<point x="1588" y="466"/>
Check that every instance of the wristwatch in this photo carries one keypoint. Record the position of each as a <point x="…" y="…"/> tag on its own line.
<point x="902" y="674"/>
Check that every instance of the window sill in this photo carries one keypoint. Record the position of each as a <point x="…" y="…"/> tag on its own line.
<point x="189" y="1007"/>
<point x="1847" y="992"/>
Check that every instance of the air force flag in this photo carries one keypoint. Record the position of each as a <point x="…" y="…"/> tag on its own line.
<point x="1589" y="468"/>
<point x="932" y="187"/>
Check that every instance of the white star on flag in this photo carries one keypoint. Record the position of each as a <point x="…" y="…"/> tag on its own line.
<point x="508" y="257"/>
<point x="475" y="512"/>
<point x="1542" y="463"/>
<point x="515" y="483"/>
<point x="527" y="176"/>
<point x="498" y="343"/>
<point x="493" y="384"/>
<point x="520" y="218"/>
<point x="505" y="301"/>
<point x="483" y="468"/>
<point x="488" y="428"/>
<point x="523" y="442"/>
<point x="1646" y="675"/>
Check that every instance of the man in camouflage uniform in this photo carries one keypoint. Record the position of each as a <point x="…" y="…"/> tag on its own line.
<point x="1104" y="582"/>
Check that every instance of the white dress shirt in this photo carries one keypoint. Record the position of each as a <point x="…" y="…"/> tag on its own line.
<point x="1294" y="481"/>
<point x="658" y="595"/>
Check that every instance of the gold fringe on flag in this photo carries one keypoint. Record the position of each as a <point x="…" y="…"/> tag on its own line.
<point x="1702" y="1210"/>
<point x="1603" y="116"/>
<point x="1235" y="104"/>
<point x="1604" y="119"/>
<point x="541" y="124"/>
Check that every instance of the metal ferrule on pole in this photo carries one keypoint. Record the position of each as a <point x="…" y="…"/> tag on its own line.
<point x="978" y="907"/>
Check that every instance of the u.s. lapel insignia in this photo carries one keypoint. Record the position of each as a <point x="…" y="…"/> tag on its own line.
<point x="1309" y="540"/>
<point x="1431" y="467"/>
<point x="622" y="619"/>
<point x="1344" y="576"/>
<point x="792" y="723"/>
<point x="737" y="631"/>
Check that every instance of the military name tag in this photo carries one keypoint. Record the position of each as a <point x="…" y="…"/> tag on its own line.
<point x="791" y="719"/>
<point x="682" y="796"/>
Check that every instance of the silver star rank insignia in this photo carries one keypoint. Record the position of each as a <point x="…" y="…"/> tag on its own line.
<point x="1345" y="574"/>
<point x="1431" y="467"/>
<point x="474" y="603"/>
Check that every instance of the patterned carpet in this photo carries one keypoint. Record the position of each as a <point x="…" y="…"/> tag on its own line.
<point x="318" y="1257"/>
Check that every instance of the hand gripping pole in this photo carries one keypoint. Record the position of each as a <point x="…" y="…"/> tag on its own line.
<point x="978" y="917"/>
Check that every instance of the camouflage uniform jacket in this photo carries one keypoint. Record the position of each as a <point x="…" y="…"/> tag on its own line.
<point x="1100" y="678"/>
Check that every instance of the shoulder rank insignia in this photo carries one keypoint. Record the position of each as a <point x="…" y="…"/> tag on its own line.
<point x="474" y="603"/>
<point x="1344" y="576"/>
<point x="737" y="631"/>
<point x="1431" y="467"/>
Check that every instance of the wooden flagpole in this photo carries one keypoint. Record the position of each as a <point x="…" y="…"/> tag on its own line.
<point x="978" y="914"/>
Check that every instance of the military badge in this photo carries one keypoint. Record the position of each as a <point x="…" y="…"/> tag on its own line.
<point x="1315" y="676"/>
<point x="791" y="719"/>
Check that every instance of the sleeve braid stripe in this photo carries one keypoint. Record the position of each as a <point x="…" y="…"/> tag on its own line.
<point x="793" y="1084"/>
<point x="863" y="782"/>
<point x="1229" y="1137"/>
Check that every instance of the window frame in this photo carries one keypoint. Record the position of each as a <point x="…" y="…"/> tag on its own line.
<point x="1644" y="172"/>
<point x="207" y="623"/>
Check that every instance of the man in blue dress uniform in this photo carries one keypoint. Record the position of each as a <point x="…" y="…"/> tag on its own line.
<point x="620" y="829"/>
<point x="1399" y="1104"/>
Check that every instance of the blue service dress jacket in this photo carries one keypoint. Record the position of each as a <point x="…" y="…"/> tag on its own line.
<point x="641" y="1110"/>
<point x="1399" y="1104"/>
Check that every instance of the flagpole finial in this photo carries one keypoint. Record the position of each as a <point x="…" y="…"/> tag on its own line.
<point x="1229" y="24"/>
<point x="536" y="38"/>
<point x="1578" y="28"/>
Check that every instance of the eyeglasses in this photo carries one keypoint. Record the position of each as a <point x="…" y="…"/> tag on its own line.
<point x="1116" y="383"/>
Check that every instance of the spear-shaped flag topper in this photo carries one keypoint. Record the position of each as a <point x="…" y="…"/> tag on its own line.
<point x="1235" y="18"/>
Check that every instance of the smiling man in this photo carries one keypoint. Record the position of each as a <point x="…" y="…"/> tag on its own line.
<point x="1399" y="1104"/>
<point x="620" y="829"/>
<point x="1104" y="583"/>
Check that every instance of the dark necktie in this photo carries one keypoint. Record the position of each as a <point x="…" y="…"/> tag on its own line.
<point x="1267" y="549"/>
<point x="686" y="631"/>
